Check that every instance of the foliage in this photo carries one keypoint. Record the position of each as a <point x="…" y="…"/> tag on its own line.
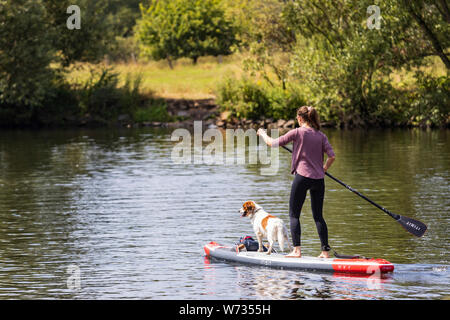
<point x="428" y="34"/>
<point x="247" y="99"/>
<point x="430" y="103"/>
<point x="155" y="111"/>
<point x="296" y="52"/>
<point x="327" y="50"/>
<point x="86" y="44"/>
<point x="98" y="94"/>
<point x="345" y="64"/>
<point x="122" y="16"/>
<point x="102" y="96"/>
<point x="123" y="49"/>
<point x="171" y="29"/>
<point x="32" y="64"/>
<point x="25" y="56"/>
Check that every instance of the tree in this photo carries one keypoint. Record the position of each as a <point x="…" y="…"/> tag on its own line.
<point x="26" y="51"/>
<point x="171" y="29"/>
<point x="35" y="48"/>
<point x="327" y="48"/>
<point x="122" y="15"/>
<point x="433" y="18"/>
<point x="89" y="43"/>
<point x="271" y="41"/>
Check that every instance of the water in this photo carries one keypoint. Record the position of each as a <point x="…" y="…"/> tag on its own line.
<point x="111" y="207"/>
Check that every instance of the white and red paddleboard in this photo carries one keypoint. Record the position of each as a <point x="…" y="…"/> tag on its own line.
<point x="276" y="260"/>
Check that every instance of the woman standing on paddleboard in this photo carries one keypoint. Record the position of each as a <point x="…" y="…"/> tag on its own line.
<point x="309" y="146"/>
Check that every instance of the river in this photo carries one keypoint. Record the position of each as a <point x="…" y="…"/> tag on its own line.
<point x="108" y="214"/>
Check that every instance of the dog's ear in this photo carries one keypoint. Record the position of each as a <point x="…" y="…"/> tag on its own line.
<point x="249" y="206"/>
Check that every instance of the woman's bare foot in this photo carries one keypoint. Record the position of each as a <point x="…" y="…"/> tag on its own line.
<point x="296" y="253"/>
<point x="324" y="254"/>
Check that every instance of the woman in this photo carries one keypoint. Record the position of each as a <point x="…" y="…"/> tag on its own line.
<point x="309" y="145"/>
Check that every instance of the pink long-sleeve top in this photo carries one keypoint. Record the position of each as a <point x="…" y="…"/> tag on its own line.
<point x="309" y="146"/>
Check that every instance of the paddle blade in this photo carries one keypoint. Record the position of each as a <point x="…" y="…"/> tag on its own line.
<point x="415" y="227"/>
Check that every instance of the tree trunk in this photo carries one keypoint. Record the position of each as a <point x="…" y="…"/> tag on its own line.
<point x="429" y="33"/>
<point x="170" y="63"/>
<point x="444" y="10"/>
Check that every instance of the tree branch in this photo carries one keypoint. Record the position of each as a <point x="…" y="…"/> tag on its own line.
<point x="443" y="9"/>
<point x="429" y="33"/>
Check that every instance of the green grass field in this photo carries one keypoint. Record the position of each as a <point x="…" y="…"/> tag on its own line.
<point x="184" y="81"/>
<point x="188" y="81"/>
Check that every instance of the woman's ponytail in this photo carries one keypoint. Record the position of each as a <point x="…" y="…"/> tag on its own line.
<point x="310" y="116"/>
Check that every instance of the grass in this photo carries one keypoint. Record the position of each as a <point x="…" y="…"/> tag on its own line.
<point x="156" y="111"/>
<point x="184" y="81"/>
<point x="188" y="81"/>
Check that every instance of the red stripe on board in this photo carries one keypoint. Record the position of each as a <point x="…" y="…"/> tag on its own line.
<point x="370" y="266"/>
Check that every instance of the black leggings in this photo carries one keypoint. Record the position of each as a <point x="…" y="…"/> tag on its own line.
<point x="316" y="189"/>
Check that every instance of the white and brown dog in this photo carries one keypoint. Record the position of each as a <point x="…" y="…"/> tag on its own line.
<point x="265" y="225"/>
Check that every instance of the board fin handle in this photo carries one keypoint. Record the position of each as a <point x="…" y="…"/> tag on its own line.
<point x="343" y="256"/>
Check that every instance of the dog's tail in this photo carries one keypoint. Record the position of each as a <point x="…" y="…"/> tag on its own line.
<point x="281" y="235"/>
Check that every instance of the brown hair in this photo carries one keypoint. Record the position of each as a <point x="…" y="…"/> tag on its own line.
<point x="310" y="116"/>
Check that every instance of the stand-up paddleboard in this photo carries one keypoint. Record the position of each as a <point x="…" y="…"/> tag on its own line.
<point x="276" y="260"/>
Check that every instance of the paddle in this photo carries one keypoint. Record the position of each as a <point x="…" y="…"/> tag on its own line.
<point x="415" y="227"/>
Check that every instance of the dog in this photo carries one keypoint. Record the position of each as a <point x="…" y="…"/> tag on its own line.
<point x="265" y="225"/>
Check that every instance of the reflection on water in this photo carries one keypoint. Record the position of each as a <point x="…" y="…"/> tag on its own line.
<point x="407" y="282"/>
<point x="112" y="203"/>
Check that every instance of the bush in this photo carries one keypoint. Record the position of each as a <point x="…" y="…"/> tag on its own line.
<point x="59" y="104"/>
<point x="102" y="96"/>
<point x="99" y="94"/>
<point x="285" y="103"/>
<point x="429" y="105"/>
<point x="25" y="55"/>
<point x="246" y="99"/>
<point x="130" y="93"/>
<point x="124" y="49"/>
<point x="156" y="111"/>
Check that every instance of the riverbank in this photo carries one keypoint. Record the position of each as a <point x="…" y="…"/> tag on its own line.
<point x="153" y="95"/>
<point x="181" y="113"/>
<point x="189" y="92"/>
